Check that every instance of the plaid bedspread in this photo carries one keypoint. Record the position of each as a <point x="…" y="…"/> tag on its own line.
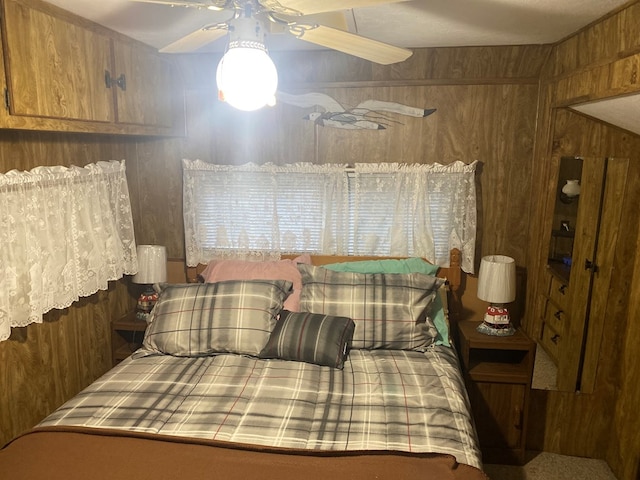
<point x="382" y="400"/>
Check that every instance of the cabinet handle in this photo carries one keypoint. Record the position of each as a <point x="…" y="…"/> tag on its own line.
<point x="555" y="338"/>
<point x="121" y="81"/>
<point x="562" y="289"/>
<point x="518" y="417"/>
<point x="589" y="265"/>
<point x="558" y="314"/>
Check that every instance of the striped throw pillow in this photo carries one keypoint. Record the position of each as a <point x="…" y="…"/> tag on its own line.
<point x="312" y="338"/>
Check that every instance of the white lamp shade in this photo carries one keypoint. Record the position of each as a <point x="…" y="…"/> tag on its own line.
<point x="152" y="264"/>
<point x="497" y="279"/>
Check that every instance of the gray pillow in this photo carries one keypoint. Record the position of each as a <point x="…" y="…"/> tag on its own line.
<point x="208" y="318"/>
<point x="390" y="311"/>
<point x="312" y="338"/>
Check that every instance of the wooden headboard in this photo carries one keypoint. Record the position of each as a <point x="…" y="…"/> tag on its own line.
<point x="453" y="274"/>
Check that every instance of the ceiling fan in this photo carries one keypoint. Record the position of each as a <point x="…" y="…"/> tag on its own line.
<point x="307" y="20"/>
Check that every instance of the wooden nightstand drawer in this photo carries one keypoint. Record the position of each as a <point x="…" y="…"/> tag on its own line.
<point x="558" y="292"/>
<point x="551" y="340"/>
<point x="556" y="317"/>
<point x="499" y="366"/>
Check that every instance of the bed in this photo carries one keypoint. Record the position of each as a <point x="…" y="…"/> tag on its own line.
<point x="330" y="368"/>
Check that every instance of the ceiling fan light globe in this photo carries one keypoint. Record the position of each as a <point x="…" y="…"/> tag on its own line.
<point x="247" y="78"/>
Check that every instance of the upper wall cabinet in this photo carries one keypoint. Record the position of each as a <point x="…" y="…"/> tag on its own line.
<point x="143" y="87"/>
<point x="64" y="73"/>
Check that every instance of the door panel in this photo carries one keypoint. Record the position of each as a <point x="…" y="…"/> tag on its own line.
<point x="586" y="235"/>
<point x="148" y="97"/>
<point x="497" y="410"/>
<point x="55" y="68"/>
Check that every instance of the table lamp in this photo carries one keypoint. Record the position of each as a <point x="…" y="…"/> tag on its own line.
<point x="497" y="285"/>
<point x="152" y="268"/>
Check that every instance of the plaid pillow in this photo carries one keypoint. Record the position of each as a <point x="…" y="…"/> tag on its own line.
<point x="438" y="312"/>
<point x="207" y="318"/>
<point x="311" y="338"/>
<point x="389" y="310"/>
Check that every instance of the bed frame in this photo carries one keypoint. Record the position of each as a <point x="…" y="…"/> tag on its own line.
<point x="80" y="453"/>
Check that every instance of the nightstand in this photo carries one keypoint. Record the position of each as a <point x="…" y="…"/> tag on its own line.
<point x="127" y="334"/>
<point x="498" y="372"/>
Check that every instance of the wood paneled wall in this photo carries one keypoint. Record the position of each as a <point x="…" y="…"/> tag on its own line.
<point x="598" y="62"/>
<point x="43" y="365"/>
<point x="490" y="107"/>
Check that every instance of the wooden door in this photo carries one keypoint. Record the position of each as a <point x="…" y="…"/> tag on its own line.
<point x="145" y="93"/>
<point x="55" y="68"/>
<point x="615" y="245"/>
<point x="570" y="356"/>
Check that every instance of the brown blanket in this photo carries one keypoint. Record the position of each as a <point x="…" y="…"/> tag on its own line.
<point x="75" y="453"/>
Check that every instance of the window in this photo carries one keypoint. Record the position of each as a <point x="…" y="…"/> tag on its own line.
<point x="372" y="209"/>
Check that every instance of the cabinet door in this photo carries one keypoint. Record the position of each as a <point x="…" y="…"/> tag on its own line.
<point x="55" y="68"/>
<point x="583" y="258"/>
<point x="498" y="410"/>
<point x="616" y="242"/>
<point x="581" y="294"/>
<point x="149" y="96"/>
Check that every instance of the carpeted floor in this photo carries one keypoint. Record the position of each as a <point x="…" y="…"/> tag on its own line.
<point x="545" y="372"/>
<point x="549" y="466"/>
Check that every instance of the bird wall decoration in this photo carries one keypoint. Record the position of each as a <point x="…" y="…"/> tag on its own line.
<point x="368" y="115"/>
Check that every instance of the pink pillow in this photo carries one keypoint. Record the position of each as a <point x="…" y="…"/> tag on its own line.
<point x="220" y="270"/>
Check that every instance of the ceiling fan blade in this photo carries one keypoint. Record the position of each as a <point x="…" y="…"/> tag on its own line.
<point x="280" y="24"/>
<point x="308" y="7"/>
<point x="197" y="39"/>
<point x="209" y="4"/>
<point x="350" y="43"/>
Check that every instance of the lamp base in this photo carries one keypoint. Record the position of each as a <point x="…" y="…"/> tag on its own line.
<point x="146" y="302"/>
<point x="496" y="322"/>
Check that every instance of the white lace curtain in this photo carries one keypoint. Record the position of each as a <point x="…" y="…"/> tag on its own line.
<point x="261" y="211"/>
<point x="65" y="232"/>
<point x="415" y="210"/>
<point x="388" y="209"/>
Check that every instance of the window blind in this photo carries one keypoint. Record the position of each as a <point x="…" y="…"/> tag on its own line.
<point x="372" y="209"/>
